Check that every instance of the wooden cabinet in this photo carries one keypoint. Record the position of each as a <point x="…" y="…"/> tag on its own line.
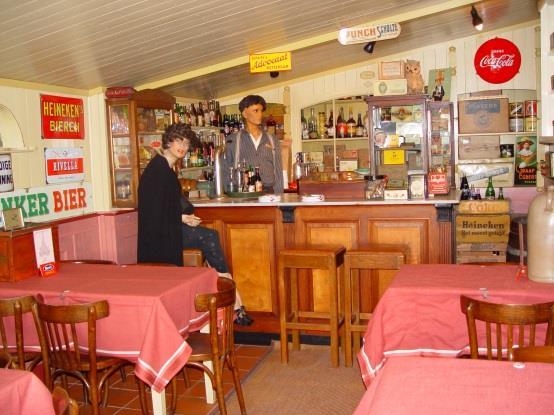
<point x="17" y="252"/>
<point x="135" y="128"/>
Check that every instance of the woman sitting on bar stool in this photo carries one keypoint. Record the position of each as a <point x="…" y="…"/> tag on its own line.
<point x="166" y="220"/>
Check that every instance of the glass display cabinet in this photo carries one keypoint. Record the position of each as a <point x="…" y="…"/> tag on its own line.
<point x="135" y="127"/>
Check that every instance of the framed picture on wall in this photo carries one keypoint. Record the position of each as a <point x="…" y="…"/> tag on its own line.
<point x="440" y="84"/>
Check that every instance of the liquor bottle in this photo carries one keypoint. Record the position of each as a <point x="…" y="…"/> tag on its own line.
<point x="259" y="186"/>
<point x="297" y="167"/>
<point x="177" y="113"/>
<point x="218" y="118"/>
<point x="500" y="194"/>
<point x="186" y="116"/>
<point x="312" y="126"/>
<point x="193" y="116"/>
<point x="330" y="126"/>
<point x="211" y="107"/>
<point x="236" y="125"/>
<point x="251" y="180"/>
<point x="200" y="115"/>
<point x="226" y="128"/>
<point x="304" y="124"/>
<point x="270" y="125"/>
<point x="490" y="193"/>
<point x="359" y="126"/>
<point x="341" y="125"/>
<point x="467" y="193"/>
<point x="463" y="183"/>
<point x="350" y="125"/>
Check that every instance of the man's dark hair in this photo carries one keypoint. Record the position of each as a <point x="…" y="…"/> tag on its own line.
<point x="250" y="100"/>
<point x="180" y="131"/>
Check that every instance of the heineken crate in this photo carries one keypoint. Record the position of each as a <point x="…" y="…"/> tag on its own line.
<point x="483" y="256"/>
<point x="484" y="207"/>
<point x="482" y="228"/>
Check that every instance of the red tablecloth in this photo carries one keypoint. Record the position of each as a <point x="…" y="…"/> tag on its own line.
<point x="22" y="393"/>
<point x="437" y="386"/>
<point x="420" y="312"/>
<point x="151" y="309"/>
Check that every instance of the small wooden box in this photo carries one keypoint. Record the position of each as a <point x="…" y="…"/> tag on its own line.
<point x="480" y="256"/>
<point x="17" y="252"/>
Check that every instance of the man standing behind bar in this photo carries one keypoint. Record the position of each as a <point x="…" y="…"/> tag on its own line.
<point x="255" y="147"/>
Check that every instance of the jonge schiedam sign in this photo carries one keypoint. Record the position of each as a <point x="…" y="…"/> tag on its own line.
<point x="350" y="36"/>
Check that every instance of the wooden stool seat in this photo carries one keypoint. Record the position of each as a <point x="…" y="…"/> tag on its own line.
<point x="193" y="258"/>
<point x="329" y="258"/>
<point x="368" y="257"/>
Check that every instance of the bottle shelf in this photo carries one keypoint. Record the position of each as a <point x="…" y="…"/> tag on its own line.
<point x="487" y="161"/>
<point x="327" y="140"/>
<point x="503" y="133"/>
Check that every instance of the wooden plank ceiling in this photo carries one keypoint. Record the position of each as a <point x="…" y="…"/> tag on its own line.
<point x="198" y="49"/>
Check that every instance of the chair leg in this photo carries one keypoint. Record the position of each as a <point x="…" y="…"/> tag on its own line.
<point x="142" y="396"/>
<point x="232" y="364"/>
<point x="333" y="315"/>
<point x="347" y="314"/>
<point x="294" y="307"/>
<point x="283" y="313"/>
<point x="218" y="375"/>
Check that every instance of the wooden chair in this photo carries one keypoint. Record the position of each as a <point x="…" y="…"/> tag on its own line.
<point x="63" y="404"/>
<point x="544" y="354"/>
<point x="370" y="258"/>
<point x="14" y="309"/>
<point x="61" y="347"/>
<point x="217" y="346"/>
<point x="502" y="321"/>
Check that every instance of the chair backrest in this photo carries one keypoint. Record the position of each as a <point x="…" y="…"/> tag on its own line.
<point x="543" y="354"/>
<point x="506" y="324"/>
<point x="224" y="300"/>
<point x="63" y="404"/>
<point x="61" y="345"/>
<point x="13" y="309"/>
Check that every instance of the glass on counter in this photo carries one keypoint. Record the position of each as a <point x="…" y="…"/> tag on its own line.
<point x="375" y="187"/>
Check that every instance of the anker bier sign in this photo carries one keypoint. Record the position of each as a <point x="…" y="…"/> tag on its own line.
<point x="497" y="60"/>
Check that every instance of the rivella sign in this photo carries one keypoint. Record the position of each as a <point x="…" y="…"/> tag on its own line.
<point x="384" y="31"/>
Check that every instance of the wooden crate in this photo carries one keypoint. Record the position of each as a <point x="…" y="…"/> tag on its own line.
<point x="465" y="257"/>
<point x="482" y="228"/>
<point x="503" y="247"/>
<point x="483" y="207"/>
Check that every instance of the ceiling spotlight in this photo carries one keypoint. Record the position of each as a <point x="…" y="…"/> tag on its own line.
<point x="476" y="19"/>
<point x="369" y="47"/>
<point x="274" y="74"/>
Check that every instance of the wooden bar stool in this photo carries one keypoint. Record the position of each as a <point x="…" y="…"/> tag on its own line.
<point x="328" y="258"/>
<point x="370" y="257"/>
<point x="193" y="258"/>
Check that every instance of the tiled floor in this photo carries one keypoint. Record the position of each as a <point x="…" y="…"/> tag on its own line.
<point x="124" y="400"/>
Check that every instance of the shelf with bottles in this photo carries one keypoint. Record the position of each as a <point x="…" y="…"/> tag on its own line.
<point x="273" y="120"/>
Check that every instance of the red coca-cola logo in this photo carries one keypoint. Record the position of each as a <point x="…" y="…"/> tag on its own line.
<point x="497" y="60"/>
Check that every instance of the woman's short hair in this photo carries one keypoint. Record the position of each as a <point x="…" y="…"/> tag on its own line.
<point x="180" y="131"/>
<point x="250" y="100"/>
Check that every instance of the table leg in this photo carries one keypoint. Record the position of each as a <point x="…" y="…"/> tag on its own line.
<point x="158" y="402"/>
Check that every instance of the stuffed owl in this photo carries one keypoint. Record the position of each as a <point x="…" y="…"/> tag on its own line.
<point x="413" y="77"/>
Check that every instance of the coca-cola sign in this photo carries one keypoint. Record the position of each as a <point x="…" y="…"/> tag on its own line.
<point x="497" y="60"/>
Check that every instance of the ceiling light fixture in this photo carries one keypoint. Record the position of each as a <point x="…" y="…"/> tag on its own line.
<point x="369" y="47"/>
<point x="476" y="19"/>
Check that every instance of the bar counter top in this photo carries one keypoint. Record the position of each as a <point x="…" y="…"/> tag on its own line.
<point x="293" y="199"/>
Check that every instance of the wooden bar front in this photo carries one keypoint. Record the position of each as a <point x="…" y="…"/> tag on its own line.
<point x="252" y="235"/>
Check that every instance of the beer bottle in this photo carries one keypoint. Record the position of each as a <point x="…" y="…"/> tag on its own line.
<point x="490" y="193"/>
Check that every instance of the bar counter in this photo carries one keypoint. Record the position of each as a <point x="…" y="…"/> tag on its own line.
<point x="252" y="234"/>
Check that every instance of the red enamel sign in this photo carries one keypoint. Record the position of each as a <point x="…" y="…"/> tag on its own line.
<point x="497" y="60"/>
<point x="62" y="117"/>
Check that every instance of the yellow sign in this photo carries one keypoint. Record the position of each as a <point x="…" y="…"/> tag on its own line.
<point x="270" y="62"/>
<point x="393" y="156"/>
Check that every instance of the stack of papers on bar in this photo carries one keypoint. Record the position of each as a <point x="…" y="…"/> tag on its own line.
<point x="269" y="198"/>
<point x="313" y="198"/>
